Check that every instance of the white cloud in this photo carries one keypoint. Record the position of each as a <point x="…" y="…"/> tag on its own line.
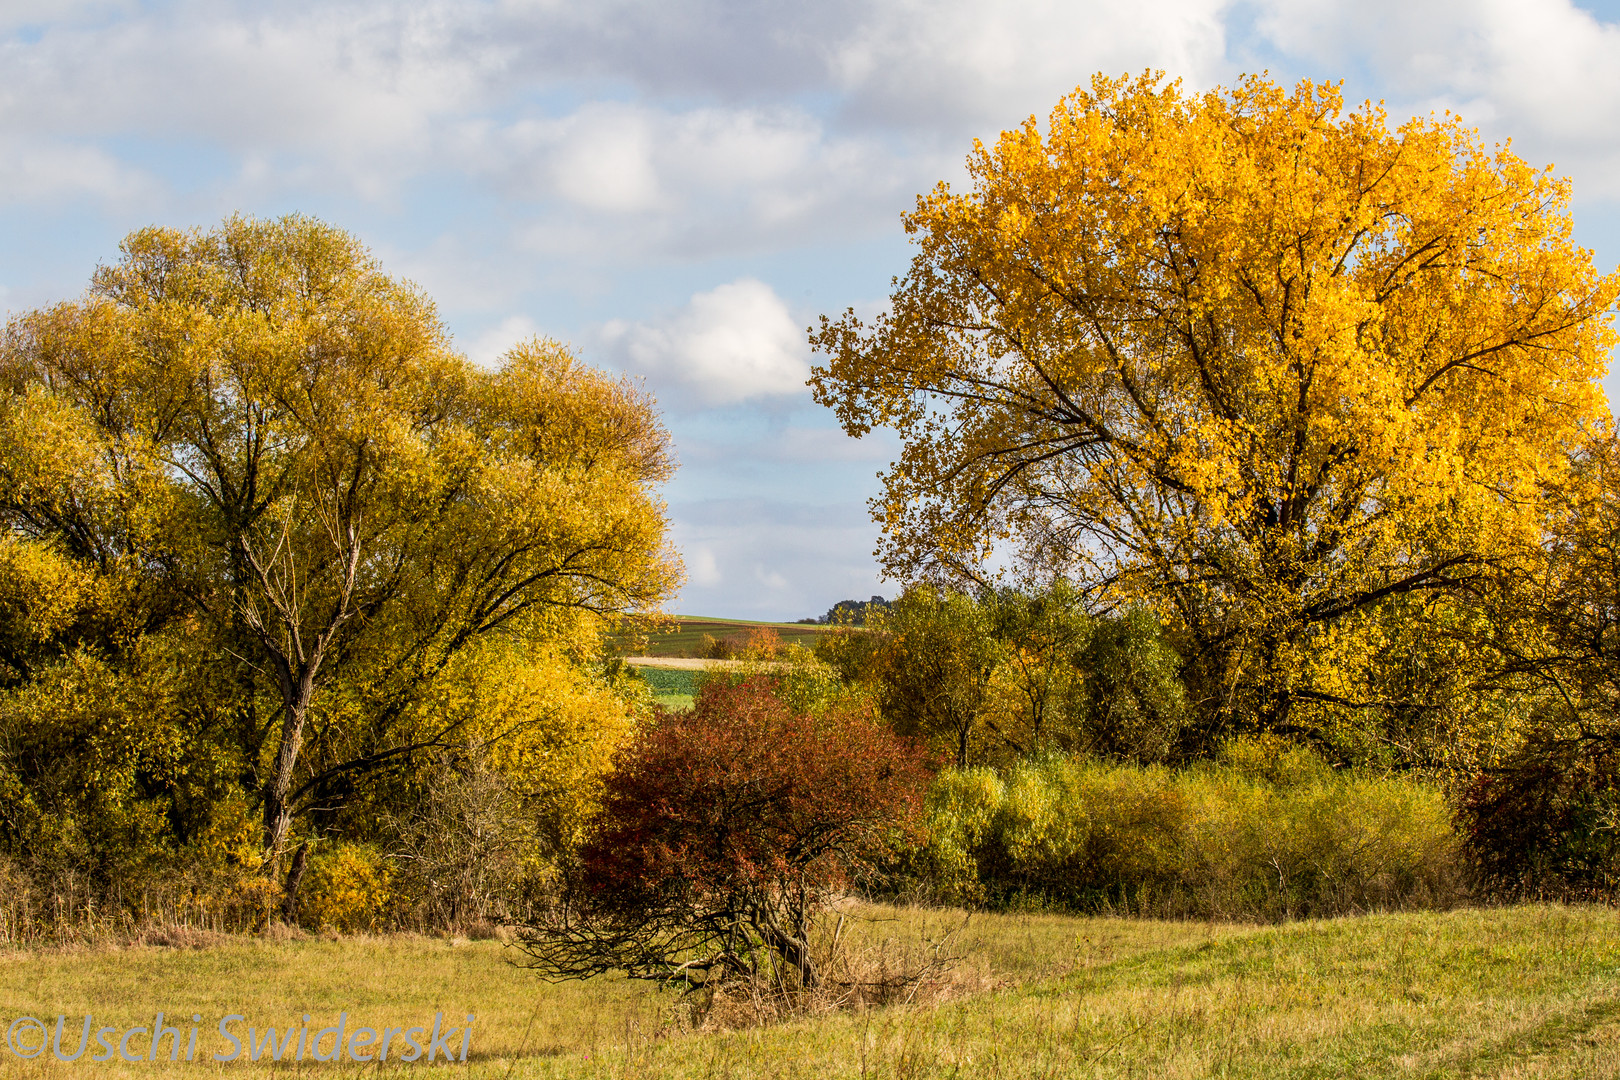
<point x="702" y="568"/>
<point x="771" y="579"/>
<point x="622" y="181"/>
<point x="372" y="94"/>
<point x="607" y="166"/>
<point x="487" y="348"/>
<point x="613" y="132"/>
<point x="976" y="62"/>
<point x="730" y="344"/>
<point x="36" y="171"/>
<point x="360" y="88"/>
<point x="1542" y="72"/>
<point x="15" y="13"/>
<point x="773" y="559"/>
<point x="923" y="64"/>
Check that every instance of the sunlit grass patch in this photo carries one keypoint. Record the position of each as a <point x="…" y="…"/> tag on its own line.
<point x="1517" y="992"/>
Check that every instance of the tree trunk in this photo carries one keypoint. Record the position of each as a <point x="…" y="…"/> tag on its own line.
<point x="296" y="694"/>
<point x="295" y="667"/>
<point x="289" y="900"/>
<point x="794" y="950"/>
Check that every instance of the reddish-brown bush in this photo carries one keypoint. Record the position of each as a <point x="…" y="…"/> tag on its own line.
<point x="723" y="833"/>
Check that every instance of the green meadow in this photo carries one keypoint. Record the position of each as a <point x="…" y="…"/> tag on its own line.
<point x="673" y="688"/>
<point x="1530" y="991"/>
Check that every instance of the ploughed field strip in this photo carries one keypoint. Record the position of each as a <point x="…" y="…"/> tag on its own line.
<point x="1531" y="991"/>
<point x="687" y="640"/>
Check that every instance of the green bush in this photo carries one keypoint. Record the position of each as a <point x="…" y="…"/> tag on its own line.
<point x="1257" y="834"/>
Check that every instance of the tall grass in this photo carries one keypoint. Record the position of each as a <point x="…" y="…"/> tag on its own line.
<point x="1263" y="833"/>
<point x="63" y="906"/>
<point x="1266" y="833"/>
<point x="1527" y="991"/>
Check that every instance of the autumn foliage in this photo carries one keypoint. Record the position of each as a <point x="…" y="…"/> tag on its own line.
<point x="1247" y="357"/>
<point x="1231" y="418"/>
<point x="724" y="832"/>
<point x="270" y="546"/>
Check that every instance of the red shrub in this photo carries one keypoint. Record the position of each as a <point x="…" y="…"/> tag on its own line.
<point x="724" y="831"/>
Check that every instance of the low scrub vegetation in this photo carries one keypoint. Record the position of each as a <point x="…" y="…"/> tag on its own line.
<point x="1265" y="833"/>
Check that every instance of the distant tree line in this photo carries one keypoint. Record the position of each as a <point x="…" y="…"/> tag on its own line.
<point x="850" y="612"/>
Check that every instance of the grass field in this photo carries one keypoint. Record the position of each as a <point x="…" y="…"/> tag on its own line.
<point x="672" y="688"/>
<point x="1522" y="992"/>
<point x="687" y="639"/>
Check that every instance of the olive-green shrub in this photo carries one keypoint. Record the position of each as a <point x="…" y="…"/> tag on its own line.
<point x="1263" y="832"/>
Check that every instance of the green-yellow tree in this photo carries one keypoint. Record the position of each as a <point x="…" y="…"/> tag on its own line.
<point x="934" y="671"/>
<point x="255" y="435"/>
<point x="1243" y="356"/>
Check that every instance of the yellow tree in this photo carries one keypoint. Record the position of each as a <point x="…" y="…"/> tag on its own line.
<point x="1244" y="356"/>
<point x="262" y="430"/>
<point x="1565" y="638"/>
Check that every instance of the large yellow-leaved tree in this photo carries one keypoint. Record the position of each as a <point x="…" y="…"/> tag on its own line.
<point x="252" y="439"/>
<point x="1254" y="360"/>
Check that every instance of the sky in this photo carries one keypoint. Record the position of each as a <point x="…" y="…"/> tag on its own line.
<point x="678" y="188"/>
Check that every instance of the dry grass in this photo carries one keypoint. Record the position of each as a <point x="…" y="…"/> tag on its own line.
<point x="1520" y="992"/>
<point x="869" y="958"/>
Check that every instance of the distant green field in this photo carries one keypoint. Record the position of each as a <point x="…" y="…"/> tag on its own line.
<point x="687" y="640"/>
<point x="672" y="689"/>
<point x="668" y="681"/>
